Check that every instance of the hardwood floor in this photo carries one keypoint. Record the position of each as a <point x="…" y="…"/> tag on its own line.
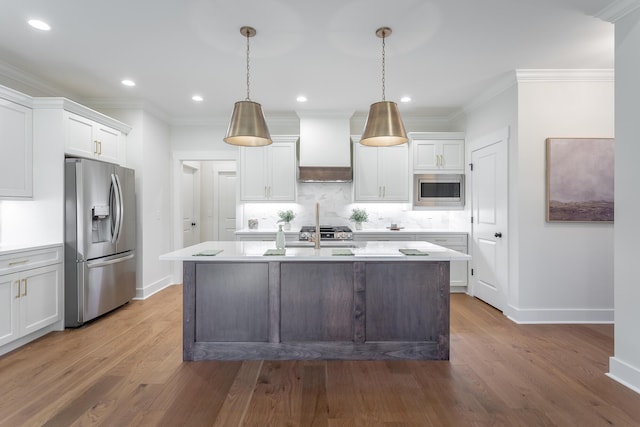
<point x="127" y="369"/>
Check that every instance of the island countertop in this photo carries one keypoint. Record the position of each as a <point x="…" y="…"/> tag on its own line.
<point x="362" y="251"/>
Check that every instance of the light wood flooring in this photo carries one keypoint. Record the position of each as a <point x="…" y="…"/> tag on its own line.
<point x="126" y="369"/>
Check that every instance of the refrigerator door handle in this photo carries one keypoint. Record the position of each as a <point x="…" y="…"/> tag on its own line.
<point x="99" y="264"/>
<point x="121" y="198"/>
<point x="115" y="225"/>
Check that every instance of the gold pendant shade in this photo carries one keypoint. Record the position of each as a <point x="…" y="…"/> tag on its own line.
<point x="247" y="126"/>
<point x="384" y="126"/>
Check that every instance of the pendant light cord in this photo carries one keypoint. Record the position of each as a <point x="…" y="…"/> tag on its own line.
<point x="247" y="34"/>
<point x="383" y="66"/>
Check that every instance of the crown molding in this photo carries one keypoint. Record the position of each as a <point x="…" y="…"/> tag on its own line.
<point x="37" y="85"/>
<point x="568" y="75"/>
<point x="617" y="9"/>
<point x="127" y="104"/>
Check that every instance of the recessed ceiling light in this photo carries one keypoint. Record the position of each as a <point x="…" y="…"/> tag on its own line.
<point x="197" y="98"/>
<point x="301" y="98"/>
<point x="38" y="24"/>
<point x="128" y="82"/>
<point x="405" y="99"/>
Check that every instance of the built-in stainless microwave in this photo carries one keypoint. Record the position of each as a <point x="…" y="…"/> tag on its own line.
<point x="438" y="191"/>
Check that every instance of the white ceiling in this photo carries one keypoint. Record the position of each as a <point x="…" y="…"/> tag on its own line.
<point x="442" y="53"/>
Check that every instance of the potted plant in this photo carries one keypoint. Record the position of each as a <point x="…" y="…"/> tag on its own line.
<point x="286" y="217"/>
<point x="359" y="216"/>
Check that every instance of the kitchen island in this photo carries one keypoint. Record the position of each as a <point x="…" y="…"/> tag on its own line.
<point x="368" y="301"/>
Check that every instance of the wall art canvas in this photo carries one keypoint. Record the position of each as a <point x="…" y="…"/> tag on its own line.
<point x="580" y="176"/>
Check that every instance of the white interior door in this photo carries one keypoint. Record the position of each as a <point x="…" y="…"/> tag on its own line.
<point x="189" y="205"/>
<point x="224" y="200"/>
<point x="489" y="226"/>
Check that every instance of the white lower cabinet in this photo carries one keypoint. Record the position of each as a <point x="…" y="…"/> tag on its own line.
<point x="458" y="271"/>
<point x="458" y="277"/>
<point x="30" y="295"/>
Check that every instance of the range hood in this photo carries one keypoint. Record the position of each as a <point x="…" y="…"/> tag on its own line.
<point x="325" y="148"/>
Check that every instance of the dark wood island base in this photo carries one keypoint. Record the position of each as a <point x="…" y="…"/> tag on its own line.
<point x="349" y="310"/>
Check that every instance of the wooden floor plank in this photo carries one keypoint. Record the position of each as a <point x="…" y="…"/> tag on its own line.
<point x="126" y="369"/>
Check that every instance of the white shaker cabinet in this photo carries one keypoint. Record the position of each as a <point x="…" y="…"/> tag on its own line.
<point x="269" y="173"/>
<point x="434" y="152"/>
<point x="88" y="138"/>
<point x="30" y="295"/>
<point x="458" y="270"/>
<point x="381" y="173"/>
<point x="16" y="146"/>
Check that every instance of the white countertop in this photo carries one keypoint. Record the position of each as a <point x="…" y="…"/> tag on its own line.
<point x="6" y="249"/>
<point x="402" y="230"/>
<point x="362" y="251"/>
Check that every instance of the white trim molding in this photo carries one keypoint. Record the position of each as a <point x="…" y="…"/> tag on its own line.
<point x="154" y="288"/>
<point x="617" y="9"/>
<point x="565" y="75"/>
<point x="560" y="315"/>
<point x="625" y="374"/>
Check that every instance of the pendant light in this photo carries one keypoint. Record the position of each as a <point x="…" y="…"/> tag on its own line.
<point x="384" y="125"/>
<point x="247" y="126"/>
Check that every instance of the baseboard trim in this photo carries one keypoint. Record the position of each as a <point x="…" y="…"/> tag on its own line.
<point x="28" y="338"/>
<point x="157" y="286"/>
<point x="625" y="374"/>
<point x="568" y="315"/>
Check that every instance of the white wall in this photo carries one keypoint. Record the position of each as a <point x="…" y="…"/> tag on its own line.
<point x="148" y="152"/>
<point x="625" y="365"/>
<point x="558" y="272"/>
<point x="572" y="262"/>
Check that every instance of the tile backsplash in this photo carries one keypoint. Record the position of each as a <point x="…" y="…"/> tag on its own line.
<point x="335" y="208"/>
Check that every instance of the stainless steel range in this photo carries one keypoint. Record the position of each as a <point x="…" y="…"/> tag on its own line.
<point x="327" y="232"/>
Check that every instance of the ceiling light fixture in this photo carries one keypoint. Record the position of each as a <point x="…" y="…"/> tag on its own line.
<point x="247" y="126"/>
<point x="38" y="24"/>
<point x="197" y="98"/>
<point x="405" y="99"/>
<point x="301" y="98"/>
<point x="384" y="125"/>
<point x="128" y="82"/>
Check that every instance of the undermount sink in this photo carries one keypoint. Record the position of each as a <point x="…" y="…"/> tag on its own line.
<point x="323" y="244"/>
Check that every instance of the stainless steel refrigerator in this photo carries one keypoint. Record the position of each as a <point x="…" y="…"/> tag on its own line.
<point x="100" y="239"/>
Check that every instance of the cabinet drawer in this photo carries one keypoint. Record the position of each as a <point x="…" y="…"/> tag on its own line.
<point x="25" y="260"/>
<point x="444" y="239"/>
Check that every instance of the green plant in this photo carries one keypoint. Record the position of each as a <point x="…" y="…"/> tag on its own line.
<point x="359" y="215"/>
<point x="286" y="216"/>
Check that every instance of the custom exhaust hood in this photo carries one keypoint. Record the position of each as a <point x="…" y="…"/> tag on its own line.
<point x="325" y="147"/>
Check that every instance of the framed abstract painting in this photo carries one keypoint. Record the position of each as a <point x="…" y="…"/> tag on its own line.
<point x="580" y="179"/>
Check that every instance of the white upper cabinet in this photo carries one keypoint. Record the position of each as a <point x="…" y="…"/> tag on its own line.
<point x="88" y="138"/>
<point x="437" y="152"/>
<point x="381" y="174"/>
<point x="16" y="146"/>
<point x="269" y="173"/>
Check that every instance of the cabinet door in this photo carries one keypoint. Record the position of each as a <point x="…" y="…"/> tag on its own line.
<point x="108" y="142"/>
<point x="253" y="176"/>
<point x="425" y="154"/>
<point x="367" y="185"/>
<point x="394" y="173"/>
<point x="282" y="172"/>
<point x="39" y="300"/>
<point x="79" y="136"/>
<point x="9" y="307"/>
<point x="452" y="155"/>
<point x="16" y="146"/>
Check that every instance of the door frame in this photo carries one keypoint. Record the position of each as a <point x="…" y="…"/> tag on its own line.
<point x="197" y="176"/>
<point x="221" y="167"/>
<point x="486" y="140"/>
<point x="177" y="157"/>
